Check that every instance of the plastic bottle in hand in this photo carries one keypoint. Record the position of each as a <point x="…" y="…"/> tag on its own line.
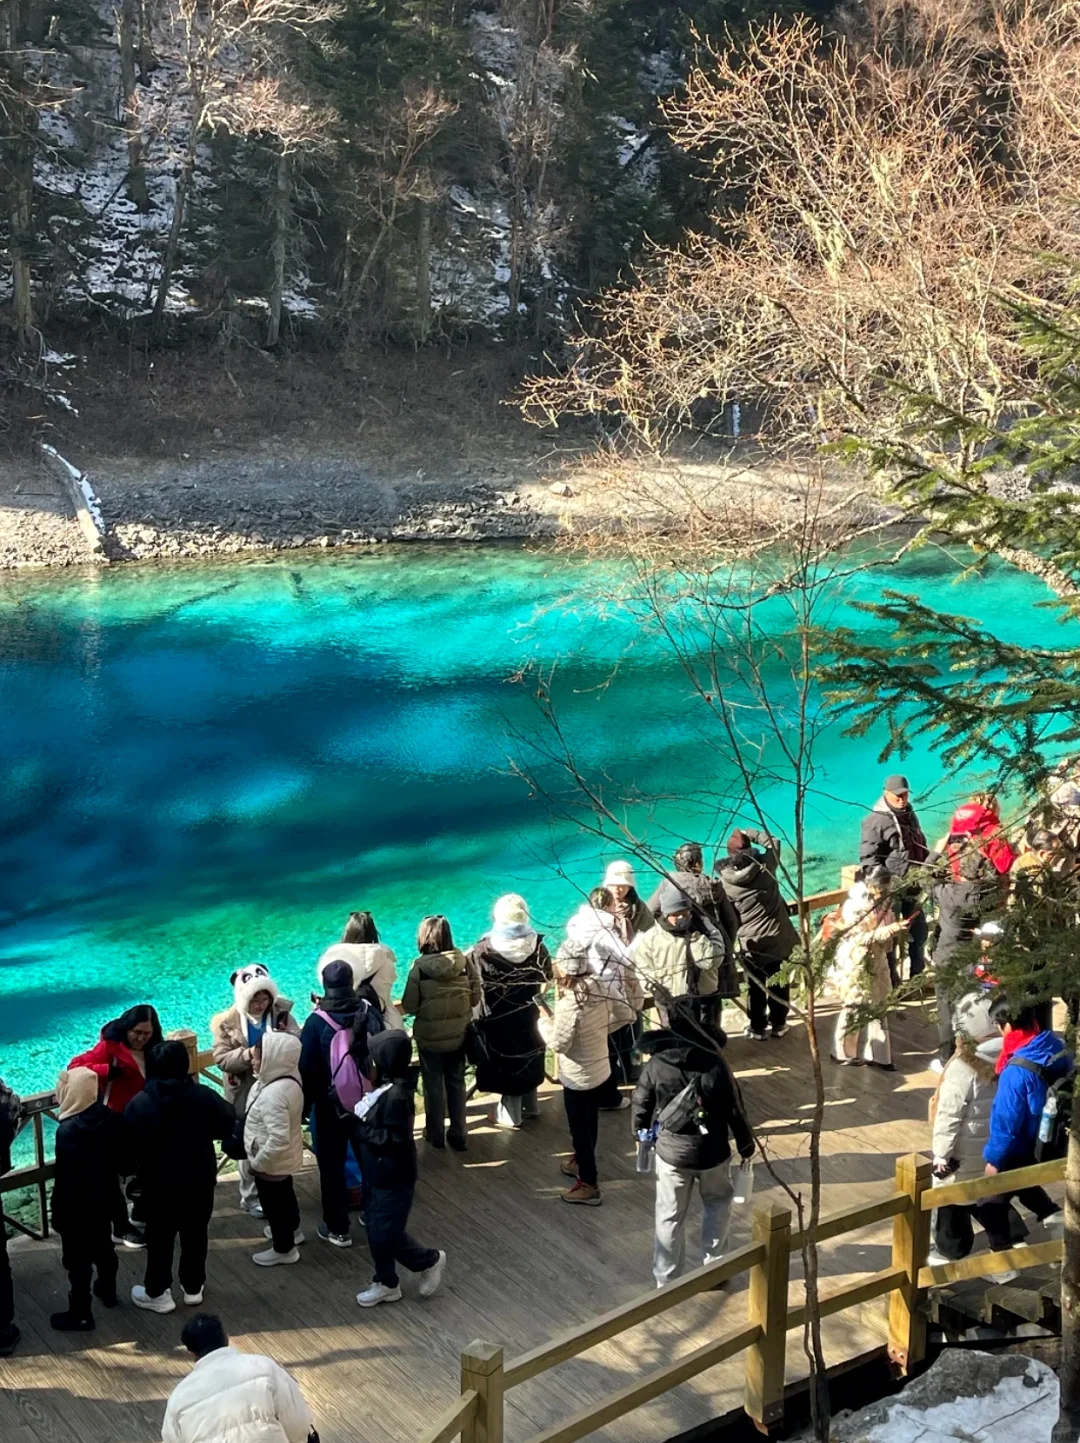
<point x="646" y="1142"/>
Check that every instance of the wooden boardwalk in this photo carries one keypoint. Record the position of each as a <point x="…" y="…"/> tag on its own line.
<point x="522" y="1267"/>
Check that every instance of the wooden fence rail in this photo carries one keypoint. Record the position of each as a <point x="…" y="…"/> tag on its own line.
<point x="769" y="1319"/>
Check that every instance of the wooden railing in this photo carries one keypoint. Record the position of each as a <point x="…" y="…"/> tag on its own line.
<point x="477" y="1417"/>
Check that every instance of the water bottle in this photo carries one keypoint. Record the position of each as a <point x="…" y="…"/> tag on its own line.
<point x="646" y="1140"/>
<point x="1048" y="1120"/>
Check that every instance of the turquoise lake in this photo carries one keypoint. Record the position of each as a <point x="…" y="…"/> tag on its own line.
<point x="208" y="765"/>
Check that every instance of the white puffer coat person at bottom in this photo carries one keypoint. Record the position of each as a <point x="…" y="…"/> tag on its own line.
<point x="234" y="1397"/>
<point x="965" y="1094"/>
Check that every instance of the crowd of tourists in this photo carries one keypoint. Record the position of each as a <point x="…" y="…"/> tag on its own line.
<point x="139" y="1137"/>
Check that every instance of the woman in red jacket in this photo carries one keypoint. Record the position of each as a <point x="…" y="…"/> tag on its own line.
<point x="119" y="1062"/>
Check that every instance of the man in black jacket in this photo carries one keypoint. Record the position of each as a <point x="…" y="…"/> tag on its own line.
<point x="892" y="838"/>
<point x="766" y="934"/>
<point x="689" y="1096"/>
<point x="385" y="1119"/>
<point x="174" y="1123"/>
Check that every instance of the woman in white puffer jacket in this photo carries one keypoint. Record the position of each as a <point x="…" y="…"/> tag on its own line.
<point x="593" y="927"/>
<point x="274" y="1143"/>
<point x="370" y="960"/>
<point x="860" y="973"/>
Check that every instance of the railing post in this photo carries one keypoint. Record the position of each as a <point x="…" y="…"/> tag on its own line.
<point x="768" y="1306"/>
<point x="911" y="1243"/>
<point x="191" y="1042"/>
<point x="39" y="1159"/>
<point x="482" y="1369"/>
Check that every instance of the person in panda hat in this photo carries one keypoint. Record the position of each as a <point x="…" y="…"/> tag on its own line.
<point x="257" y="1007"/>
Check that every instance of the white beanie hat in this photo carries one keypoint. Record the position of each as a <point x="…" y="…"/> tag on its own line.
<point x="619" y="874"/>
<point x="511" y="910"/>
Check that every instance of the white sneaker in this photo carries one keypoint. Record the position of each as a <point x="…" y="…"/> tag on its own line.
<point x="297" y="1237"/>
<point x="379" y="1293"/>
<point x="431" y="1277"/>
<point x="194" y="1299"/>
<point x="752" y="1035"/>
<point x="166" y="1303"/>
<point x="1006" y="1277"/>
<point x="937" y="1066"/>
<point x="271" y="1258"/>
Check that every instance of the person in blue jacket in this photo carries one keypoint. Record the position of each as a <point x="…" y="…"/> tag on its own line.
<point x="1030" y="1059"/>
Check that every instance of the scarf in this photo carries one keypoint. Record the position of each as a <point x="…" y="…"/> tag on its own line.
<point x="623" y="920"/>
<point x="1014" y="1040"/>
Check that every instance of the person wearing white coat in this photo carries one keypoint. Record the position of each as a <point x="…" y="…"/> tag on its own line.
<point x="274" y="1143"/>
<point x="960" y="1114"/>
<point x="233" y="1397"/>
<point x="593" y="927"/>
<point x="370" y="960"/>
<point x="860" y="973"/>
<point x="579" y="1038"/>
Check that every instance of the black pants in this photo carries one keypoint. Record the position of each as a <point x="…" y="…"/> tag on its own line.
<point x="918" y="935"/>
<point x="7" y="1293"/>
<point x="946" y="1036"/>
<point x="85" y="1248"/>
<point x="333" y="1133"/>
<point x="762" y="1004"/>
<point x="179" y="1216"/>
<point x="620" y="1047"/>
<point x="583" y="1117"/>
<point x="386" y="1212"/>
<point x="443" y="1075"/>
<point x="277" y="1197"/>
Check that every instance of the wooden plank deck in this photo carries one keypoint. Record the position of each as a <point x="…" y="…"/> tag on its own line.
<point x="522" y="1267"/>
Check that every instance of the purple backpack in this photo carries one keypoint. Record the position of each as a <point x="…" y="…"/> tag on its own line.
<point x="347" y="1083"/>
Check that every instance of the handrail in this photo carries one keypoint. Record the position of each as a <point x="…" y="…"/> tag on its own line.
<point x="763" y="1338"/>
<point x="969" y="1192"/>
<point x="625" y="1400"/>
<point x="454" y="1420"/>
<point x="619" y="1320"/>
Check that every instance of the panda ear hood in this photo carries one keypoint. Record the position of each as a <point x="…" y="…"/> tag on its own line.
<point x="249" y="980"/>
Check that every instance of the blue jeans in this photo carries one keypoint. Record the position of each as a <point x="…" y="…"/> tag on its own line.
<point x="386" y="1212"/>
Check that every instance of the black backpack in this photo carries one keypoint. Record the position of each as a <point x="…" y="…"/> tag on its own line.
<point x="1062" y="1087"/>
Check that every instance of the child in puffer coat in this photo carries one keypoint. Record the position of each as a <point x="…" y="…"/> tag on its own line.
<point x="274" y="1143"/>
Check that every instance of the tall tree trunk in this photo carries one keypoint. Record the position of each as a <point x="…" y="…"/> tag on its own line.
<point x="126" y="28"/>
<point x="423" y="271"/>
<point x="172" y="244"/>
<point x="1067" y="1428"/>
<point x="19" y="119"/>
<point x="281" y="205"/>
<point x="147" y="62"/>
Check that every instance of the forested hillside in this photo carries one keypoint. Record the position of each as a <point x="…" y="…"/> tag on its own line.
<point x="398" y="169"/>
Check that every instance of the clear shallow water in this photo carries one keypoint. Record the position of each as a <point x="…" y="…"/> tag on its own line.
<point x="208" y="765"/>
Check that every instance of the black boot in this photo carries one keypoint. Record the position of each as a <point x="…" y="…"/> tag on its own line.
<point x="9" y="1340"/>
<point x="72" y="1322"/>
<point x="106" y="1294"/>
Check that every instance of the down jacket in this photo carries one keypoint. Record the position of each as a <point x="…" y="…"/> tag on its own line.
<point x="579" y="1034"/>
<point x="608" y="958"/>
<point x="234" y="1397"/>
<point x="766" y="933"/>
<point x="442" y="990"/>
<point x="370" y="962"/>
<point x="272" y="1138"/>
<point x="860" y="970"/>
<point x="1014" y="1118"/>
<point x="891" y="838"/>
<point x="127" y="1080"/>
<point x="514" y="1064"/>
<point x="675" y="1063"/>
<point x="679" y="966"/>
<point x="965" y="1098"/>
